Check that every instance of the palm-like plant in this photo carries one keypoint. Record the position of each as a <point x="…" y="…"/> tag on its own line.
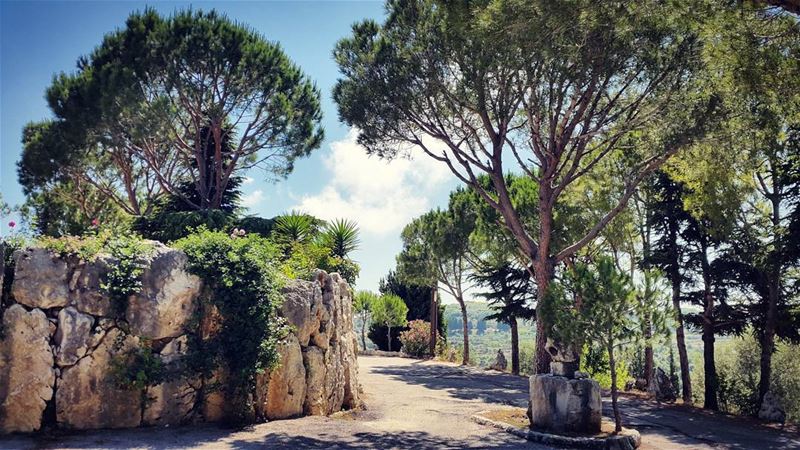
<point x="294" y="228"/>
<point x="341" y="237"/>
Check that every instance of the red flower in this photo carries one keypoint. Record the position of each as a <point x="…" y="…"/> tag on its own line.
<point x="12" y="224"/>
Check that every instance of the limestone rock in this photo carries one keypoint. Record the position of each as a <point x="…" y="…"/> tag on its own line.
<point x="314" y="361"/>
<point x="40" y="279"/>
<point x="168" y="297"/>
<point x="500" y="363"/>
<point x="72" y="336"/>
<point x="771" y="409"/>
<point x="562" y="404"/>
<point x="85" y="292"/>
<point x="171" y="402"/>
<point x="661" y="387"/>
<point x="301" y="308"/>
<point x="87" y="398"/>
<point x="26" y="369"/>
<point x="214" y="401"/>
<point x="286" y="385"/>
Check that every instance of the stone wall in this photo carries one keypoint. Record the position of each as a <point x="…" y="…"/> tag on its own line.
<point x="60" y="336"/>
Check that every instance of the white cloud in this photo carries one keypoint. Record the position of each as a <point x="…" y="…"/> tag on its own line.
<point x="382" y="196"/>
<point x="253" y="199"/>
<point x="248" y="180"/>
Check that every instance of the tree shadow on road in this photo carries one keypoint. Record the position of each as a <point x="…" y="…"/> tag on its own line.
<point x="464" y="383"/>
<point x="378" y="441"/>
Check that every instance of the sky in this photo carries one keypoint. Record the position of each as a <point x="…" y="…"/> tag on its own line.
<point x="339" y="180"/>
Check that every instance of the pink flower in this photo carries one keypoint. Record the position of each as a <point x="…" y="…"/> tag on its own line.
<point x="95" y="222"/>
<point x="12" y="224"/>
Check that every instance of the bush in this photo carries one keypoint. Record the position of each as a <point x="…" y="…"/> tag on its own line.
<point x="594" y="361"/>
<point x="241" y="280"/>
<point x="167" y="226"/>
<point x="738" y="373"/>
<point x="416" y="339"/>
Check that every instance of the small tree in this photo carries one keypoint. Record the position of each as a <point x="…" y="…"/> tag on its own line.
<point x="511" y="294"/>
<point x="390" y="311"/>
<point x="611" y="312"/>
<point x="362" y="306"/>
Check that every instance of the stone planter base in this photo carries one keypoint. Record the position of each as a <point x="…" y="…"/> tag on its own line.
<point x="563" y="404"/>
<point x="627" y="440"/>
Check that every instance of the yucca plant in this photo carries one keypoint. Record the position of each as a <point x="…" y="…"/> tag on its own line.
<point x="294" y="228"/>
<point x="341" y="237"/>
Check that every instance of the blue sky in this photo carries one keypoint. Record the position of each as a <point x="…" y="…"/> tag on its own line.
<point x="39" y="39"/>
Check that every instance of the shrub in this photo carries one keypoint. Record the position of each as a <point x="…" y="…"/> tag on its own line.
<point x="416" y="339"/>
<point x="167" y="226"/>
<point x="447" y="352"/>
<point x="738" y="373"/>
<point x="594" y="361"/>
<point x="242" y="282"/>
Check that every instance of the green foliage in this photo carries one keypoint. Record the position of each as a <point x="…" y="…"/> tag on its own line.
<point x="128" y="254"/>
<point x="594" y="361"/>
<point x="138" y="368"/>
<point x="166" y="225"/>
<point x="416" y="297"/>
<point x="242" y="283"/>
<point x="389" y="311"/>
<point x="295" y="228"/>
<point x="737" y="363"/>
<point x="416" y="339"/>
<point x="448" y="352"/>
<point x="341" y="237"/>
<point x="362" y="308"/>
<point x="124" y="277"/>
<point x="149" y="114"/>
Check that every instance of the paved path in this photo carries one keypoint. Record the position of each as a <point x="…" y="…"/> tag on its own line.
<point x="416" y="404"/>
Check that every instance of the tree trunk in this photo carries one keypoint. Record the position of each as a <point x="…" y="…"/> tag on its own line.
<point x="612" y="363"/>
<point x="543" y="273"/>
<point x="709" y="365"/>
<point x="648" y="356"/>
<point x="514" y="346"/>
<point x="465" y="329"/>
<point x="680" y="338"/>
<point x="770" y="321"/>
<point x="389" y="337"/>
<point x="434" y="315"/>
<point x="364" y="333"/>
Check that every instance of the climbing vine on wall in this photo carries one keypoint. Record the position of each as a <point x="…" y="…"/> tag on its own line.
<point x="242" y="283"/>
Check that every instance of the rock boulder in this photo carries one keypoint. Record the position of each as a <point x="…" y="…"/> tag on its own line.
<point x="40" y="279"/>
<point x="27" y="375"/>
<point x="87" y="397"/>
<point x="168" y="297"/>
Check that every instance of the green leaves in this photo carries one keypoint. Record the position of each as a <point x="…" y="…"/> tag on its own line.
<point x="128" y="121"/>
<point x="599" y="303"/>
<point x="242" y="283"/>
<point x="341" y="236"/>
<point x="363" y="301"/>
<point x="389" y="310"/>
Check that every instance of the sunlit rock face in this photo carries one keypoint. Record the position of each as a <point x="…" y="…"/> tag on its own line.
<point x="318" y="374"/>
<point x="62" y="341"/>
